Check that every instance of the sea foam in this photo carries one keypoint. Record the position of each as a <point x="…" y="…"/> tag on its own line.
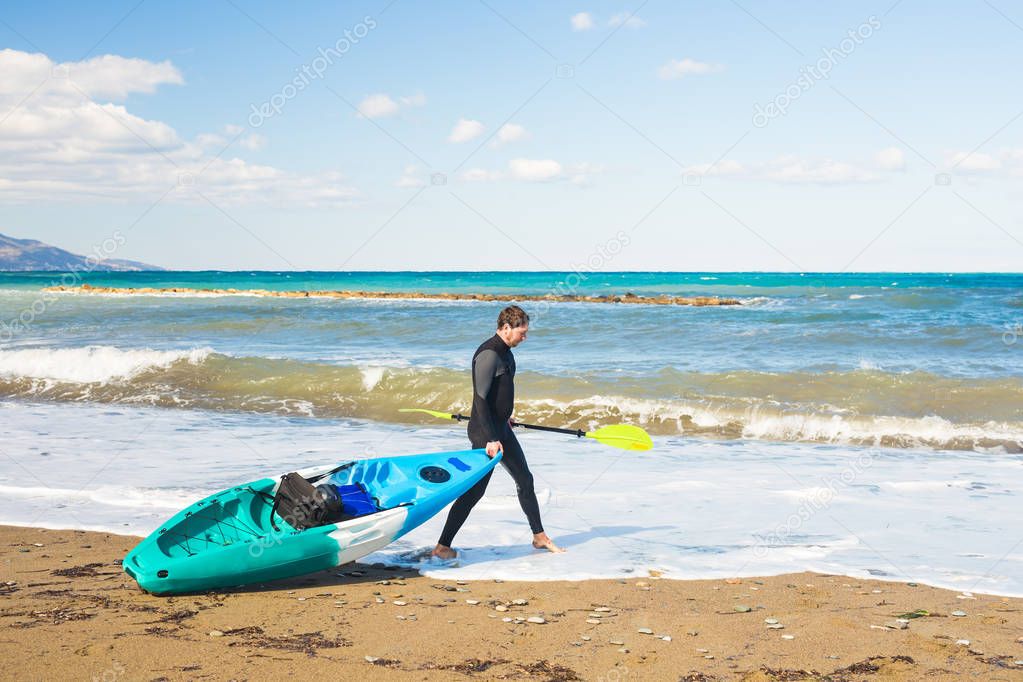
<point x="90" y="364"/>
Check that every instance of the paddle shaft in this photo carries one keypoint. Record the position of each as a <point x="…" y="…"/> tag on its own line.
<point x="536" y="427"/>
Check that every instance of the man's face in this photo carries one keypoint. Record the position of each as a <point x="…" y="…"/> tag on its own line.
<point x="515" y="335"/>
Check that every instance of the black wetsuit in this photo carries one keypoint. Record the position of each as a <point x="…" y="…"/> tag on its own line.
<point x="493" y="400"/>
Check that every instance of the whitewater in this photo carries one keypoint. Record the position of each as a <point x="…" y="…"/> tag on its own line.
<point x="690" y="508"/>
<point x="866" y="425"/>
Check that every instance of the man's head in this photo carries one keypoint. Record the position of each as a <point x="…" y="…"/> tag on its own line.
<point x="513" y="325"/>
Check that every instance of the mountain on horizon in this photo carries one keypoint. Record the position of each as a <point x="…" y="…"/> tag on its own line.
<point x="24" y="255"/>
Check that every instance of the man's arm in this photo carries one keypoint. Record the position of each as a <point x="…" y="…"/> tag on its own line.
<point x="484" y="371"/>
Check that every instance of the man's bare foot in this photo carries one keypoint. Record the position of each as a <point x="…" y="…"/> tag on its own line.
<point x="543" y="541"/>
<point x="443" y="552"/>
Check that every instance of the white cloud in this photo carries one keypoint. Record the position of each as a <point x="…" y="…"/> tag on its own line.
<point x="538" y="170"/>
<point x="582" y="173"/>
<point x="416" y="100"/>
<point x="583" y="21"/>
<point x="1006" y="162"/>
<point x="481" y="175"/>
<point x="891" y="158"/>
<point x="629" y="20"/>
<point x="377" y="106"/>
<point x="382" y="105"/>
<point x="787" y="170"/>
<point x="106" y="77"/>
<point x="679" y="68"/>
<point x="465" y="130"/>
<point x="824" y="172"/>
<point x="509" y="132"/>
<point x="253" y="142"/>
<point x="534" y="170"/>
<point x="60" y="143"/>
<point x="209" y="140"/>
<point x="977" y="162"/>
<point x="411" y="177"/>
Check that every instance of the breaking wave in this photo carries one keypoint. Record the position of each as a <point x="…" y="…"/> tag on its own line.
<point x="867" y="406"/>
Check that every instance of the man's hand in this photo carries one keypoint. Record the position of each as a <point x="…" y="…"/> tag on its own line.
<point x="494" y="447"/>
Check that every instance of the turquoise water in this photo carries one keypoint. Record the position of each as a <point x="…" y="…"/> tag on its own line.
<point x="584" y="282"/>
<point x="898" y="359"/>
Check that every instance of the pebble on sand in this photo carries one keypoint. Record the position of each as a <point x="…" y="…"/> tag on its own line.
<point x="742" y="608"/>
<point x="645" y="631"/>
<point x="536" y="619"/>
<point x="520" y="602"/>
<point x="215" y="633"/>
<point x="959" y="614"/>
<point x="593" y="621"/>
<point x="617" y="642"/>
<point x="788" y="636"/>
<point x="472" y="602"/>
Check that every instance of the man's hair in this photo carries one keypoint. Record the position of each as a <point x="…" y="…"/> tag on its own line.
<point x="513" y="315"/>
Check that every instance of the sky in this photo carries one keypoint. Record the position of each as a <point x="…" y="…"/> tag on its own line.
<point x="497" y="135"/>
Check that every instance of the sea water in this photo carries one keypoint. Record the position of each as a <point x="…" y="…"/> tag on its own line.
<point x="868" y="425"/>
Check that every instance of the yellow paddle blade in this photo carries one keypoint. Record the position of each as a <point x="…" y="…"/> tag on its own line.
<point x="432" y="413"/>
<point x="624" y="436"/>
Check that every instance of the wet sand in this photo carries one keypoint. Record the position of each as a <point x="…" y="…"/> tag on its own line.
<point x="69" y="612"/>
<point x="511" y="298"/>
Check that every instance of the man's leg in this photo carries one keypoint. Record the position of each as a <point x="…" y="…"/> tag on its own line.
<point x="514" y="461"/>
<point x="457" y="515"/>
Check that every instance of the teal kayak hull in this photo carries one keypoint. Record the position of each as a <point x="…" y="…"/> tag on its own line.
<point x="229" y="539"/>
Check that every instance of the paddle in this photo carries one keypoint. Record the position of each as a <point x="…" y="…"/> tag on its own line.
<point x="624" y="436"/>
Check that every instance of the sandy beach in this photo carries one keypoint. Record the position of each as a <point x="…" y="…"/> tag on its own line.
<point x="69" y="612"/>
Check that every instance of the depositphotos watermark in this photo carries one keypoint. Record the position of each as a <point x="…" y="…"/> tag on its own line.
<point x="71" y="278"/>
<point x="812" y="73"/>
<point x="307" y="73"/>
<point x="809" y="506"/>
<point x="112" y="674"/>
<point x="1012" y="333"/>
<point x="601" y="255"/>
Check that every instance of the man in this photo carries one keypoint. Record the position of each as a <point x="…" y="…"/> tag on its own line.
<point x="493" y="399"/>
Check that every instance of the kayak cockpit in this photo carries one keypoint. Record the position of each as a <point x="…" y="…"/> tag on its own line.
<point x="228" y="518"/>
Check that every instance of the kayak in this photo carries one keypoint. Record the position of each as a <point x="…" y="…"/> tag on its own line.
<point x="240" y="536"/>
